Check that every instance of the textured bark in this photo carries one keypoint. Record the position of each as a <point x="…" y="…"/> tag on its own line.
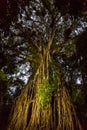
<point x="58" y="114"/>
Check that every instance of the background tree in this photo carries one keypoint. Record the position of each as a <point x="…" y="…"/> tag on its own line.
<point x="81" y="51"/>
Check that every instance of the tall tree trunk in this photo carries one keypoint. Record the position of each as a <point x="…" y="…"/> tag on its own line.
<point x="29" y="111"/>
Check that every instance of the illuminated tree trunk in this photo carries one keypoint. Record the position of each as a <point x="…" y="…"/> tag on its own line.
<point x="55" y="111"/>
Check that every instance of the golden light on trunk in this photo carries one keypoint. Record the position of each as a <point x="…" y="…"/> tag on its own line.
<point x="44" y="104"/>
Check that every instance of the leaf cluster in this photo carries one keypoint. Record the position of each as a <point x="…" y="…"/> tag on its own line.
<point x="45" y="91"/>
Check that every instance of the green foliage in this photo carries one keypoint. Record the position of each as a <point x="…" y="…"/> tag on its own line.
<point x="76" y="93"/>
<point x="3" y="76"/>
<point x="70" y="49"/>
<point x="45" y="91"/>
